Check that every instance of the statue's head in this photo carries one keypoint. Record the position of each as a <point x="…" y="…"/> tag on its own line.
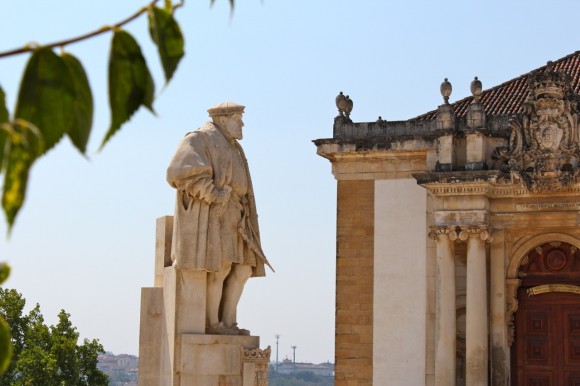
<point x="228" y="116"/>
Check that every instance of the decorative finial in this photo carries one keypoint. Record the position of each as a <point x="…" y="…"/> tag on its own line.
<point x="476" y="88"/>
<point x="348" y="108"/>
<point x="341" y="103"/>
<point x="446" y="90"/>
<point x="344" y="105"/>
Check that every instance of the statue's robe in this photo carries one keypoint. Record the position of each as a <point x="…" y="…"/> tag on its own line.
<point x="205" y="234"/>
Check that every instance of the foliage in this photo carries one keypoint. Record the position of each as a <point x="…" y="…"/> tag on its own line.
<point x="44" y="355"/>
<point x="5" y="344"/>
<point x="55" y="98"/>
<point x="301" y="378"/>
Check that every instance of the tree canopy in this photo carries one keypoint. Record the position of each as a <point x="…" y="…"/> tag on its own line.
<point x="47" y="355"/>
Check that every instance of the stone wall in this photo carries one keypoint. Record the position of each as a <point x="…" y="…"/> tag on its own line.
<point x="354" y="284"/>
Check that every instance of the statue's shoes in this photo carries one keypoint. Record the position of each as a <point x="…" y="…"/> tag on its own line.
<point x="241" y="331"/>
<point x="223" y="330"/>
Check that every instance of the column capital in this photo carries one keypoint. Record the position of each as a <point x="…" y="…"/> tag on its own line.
<point x="443" y="231"/>
<point x="482" y="232"/>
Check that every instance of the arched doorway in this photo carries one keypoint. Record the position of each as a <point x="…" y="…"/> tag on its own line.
<point x="546" y="349"/>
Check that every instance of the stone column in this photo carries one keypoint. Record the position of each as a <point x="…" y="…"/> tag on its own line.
<point x="445" y="325"/>
<point x="476" y="318"/>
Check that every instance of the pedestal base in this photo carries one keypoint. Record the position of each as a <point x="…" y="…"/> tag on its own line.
<point x="214" y="360"/>
<point x="169" y="358"/>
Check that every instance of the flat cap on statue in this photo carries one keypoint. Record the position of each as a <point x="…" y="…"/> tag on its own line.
<point x="226" y="108"/>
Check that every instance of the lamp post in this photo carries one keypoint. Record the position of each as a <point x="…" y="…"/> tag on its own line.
<point x="277" y="339"/>
<point x="294" y="357"/>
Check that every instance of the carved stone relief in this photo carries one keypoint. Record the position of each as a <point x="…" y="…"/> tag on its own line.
<point x="544" y="145"/>
<point x="475" y="231"/>
<point x="512" y="286"/>
<point x="260" y="360"/>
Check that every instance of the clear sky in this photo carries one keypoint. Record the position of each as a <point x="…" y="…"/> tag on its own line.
<point x="85" y="239"/>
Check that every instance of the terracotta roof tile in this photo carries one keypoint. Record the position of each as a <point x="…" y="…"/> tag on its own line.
<point x="508" y="97"/>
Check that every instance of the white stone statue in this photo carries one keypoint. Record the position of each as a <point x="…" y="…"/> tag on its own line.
<point x="216" y="224"/>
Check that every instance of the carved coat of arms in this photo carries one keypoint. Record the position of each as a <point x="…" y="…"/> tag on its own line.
<point x="544" y="144"/>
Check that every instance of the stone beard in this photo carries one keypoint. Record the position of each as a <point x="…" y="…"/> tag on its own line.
<point x="216" y="223"/>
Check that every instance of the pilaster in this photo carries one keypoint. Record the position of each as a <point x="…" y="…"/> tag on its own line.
<point x="476" y="351"/>
<point x="445" y="325"/>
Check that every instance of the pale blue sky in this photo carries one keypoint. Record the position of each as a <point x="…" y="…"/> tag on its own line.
<point x="84" y="240"/>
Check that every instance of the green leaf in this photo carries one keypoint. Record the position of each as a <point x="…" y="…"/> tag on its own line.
<point x="5" y="346"/>
<point x="80" y="129"/>
<point x="4" y="118"/>
<point x="130" y="82"/>
<point x="4" y="272"/>
<point x="167" y="35"/>
<point x="25" y="148"/>
<point x="46" y="96"/>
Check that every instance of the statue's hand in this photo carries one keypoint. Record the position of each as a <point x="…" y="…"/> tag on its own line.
<point x="223" y="195"/>
<point x="222" y="199"/>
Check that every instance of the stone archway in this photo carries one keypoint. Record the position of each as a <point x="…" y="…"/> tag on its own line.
<point x="519" y="254"/>
<point x="546" y="349"/>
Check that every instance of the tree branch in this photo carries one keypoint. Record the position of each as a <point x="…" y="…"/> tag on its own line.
<point x="31" y="47"/>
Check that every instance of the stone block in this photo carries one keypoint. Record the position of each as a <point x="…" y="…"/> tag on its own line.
<point x="215" y="360"/>
<point x="184" y="294"/>
<point x="476" y="150"/>
<point x="163" y="237"/>
<point x="460" y="217"/>
<point x="445" y="154"/>
<point x="150" y="336"/>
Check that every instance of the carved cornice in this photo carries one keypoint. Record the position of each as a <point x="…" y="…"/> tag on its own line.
<point x="502" y="186"/>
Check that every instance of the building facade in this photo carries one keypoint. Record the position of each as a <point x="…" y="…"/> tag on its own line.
<point x="458" y="236"/>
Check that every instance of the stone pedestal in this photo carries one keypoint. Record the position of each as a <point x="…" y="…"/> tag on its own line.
<point x="173" y="347"/>
<point x="215" y="360"/>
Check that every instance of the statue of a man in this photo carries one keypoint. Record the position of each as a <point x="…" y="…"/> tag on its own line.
<point x="216" y="224"/>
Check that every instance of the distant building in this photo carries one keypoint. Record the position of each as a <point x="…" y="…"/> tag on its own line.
<point x="322" y="369"/>
<point x="121" y="369"/>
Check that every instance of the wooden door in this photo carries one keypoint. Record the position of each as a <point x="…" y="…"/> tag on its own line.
<point x="546" y="350"/>
<point x="548" y="340"/>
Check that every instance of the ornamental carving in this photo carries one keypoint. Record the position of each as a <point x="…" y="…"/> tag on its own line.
<point x="443" y="231"/>
<point x="512" y="286"/>
<point x="544" y="144"/>
<point x="461" y="233"/>
<point x="258" y="361"/>
<point x="480" y="232"/>
<point x="256" y="355"/>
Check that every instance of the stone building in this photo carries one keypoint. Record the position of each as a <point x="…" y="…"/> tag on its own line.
<point x="458" y="236"/>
